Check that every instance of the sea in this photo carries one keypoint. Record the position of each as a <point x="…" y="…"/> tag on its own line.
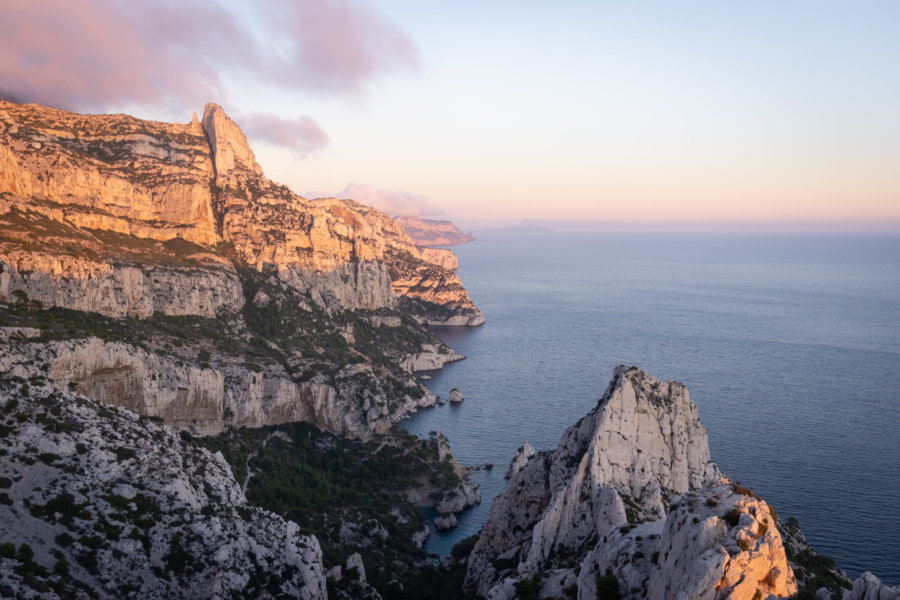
<point x="788" y="342"/>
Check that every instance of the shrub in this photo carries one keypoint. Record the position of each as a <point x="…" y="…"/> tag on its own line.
<point x="7" y="550"/>
<point x="528" y="589"/>
<point x="608" y="586"/>
<point x="61" y="567"/>
<point x="123" y="453"/>
<point x="732" y="517"/>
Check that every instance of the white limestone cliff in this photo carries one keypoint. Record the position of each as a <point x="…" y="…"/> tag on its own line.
<point x="120" y="290"/>
<point x="205" y="400"/>
<point x="123" y="504"/>
<point x="869" y="587"/>
<point x="630" y="491"/>
<point x="520" y="459"/>
<point x="201" y="183"/>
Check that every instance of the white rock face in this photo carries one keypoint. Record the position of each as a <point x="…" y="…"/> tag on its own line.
<point x="120" y="291"/>
<point x="429" y="358"/>
<point x="167" y="519"/>
<point x="205" y="400"/>
<point x="441" y="257"/>
<point x="228" y="144"/>
<point x="520" y="459"/>
<point x="702" y="555"/>
<point x="869" y="587"/>
<point x="639" y="450"/>
<point x="444" y="523"/>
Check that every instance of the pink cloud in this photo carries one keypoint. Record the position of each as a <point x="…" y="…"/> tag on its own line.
<point x="302" y="134"/>
<point x="394" y="202"/>
<point x="337" y="45"/>
<point x="93" y="55"/>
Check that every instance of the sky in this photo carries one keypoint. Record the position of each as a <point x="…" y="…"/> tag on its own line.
<point x="492" y="113"/>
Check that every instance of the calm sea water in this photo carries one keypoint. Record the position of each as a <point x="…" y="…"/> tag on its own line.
<point x="790" y="345"/>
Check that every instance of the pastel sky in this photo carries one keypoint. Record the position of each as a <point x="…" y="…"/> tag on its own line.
<point x="489" y="112"/>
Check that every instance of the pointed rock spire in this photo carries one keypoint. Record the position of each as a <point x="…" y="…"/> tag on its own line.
<point x="196" y="128"/>
<point x="227" y="142"/>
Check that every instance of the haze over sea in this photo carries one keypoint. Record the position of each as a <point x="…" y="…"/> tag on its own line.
<point x="789" y="344"/>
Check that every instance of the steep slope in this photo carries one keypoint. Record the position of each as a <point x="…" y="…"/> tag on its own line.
<point x="260" y="306"/>
<point x="630" y="496"/>
<point x="199" y="183"/>
<point x="101" y="503"/>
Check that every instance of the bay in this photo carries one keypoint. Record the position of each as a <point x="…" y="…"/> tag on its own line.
<point x="789" y="343"/>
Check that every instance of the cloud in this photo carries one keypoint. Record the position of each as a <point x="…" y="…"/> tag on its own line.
<point x="337" y="46"/>
<point x="394" y="202"/>
<point x="302" y="134"/>
<point x="94" y="55"/>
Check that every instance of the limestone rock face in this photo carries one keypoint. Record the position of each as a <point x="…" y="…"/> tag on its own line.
<point x="120" y="290"/>
<point x="201" y="183"/>
<point x="869" y="587"/>
<point x="455" y="396"/>
<point x="202" y="400"/>
<point x="520" y="459"/>
<point x="227" y="142"/>
<point x="441" y="257"/>
<point x="110" y="172"/>
<point x="444" y="523"/>
<point x="141" y="509"/>
<point x="429" y="358"/>
<point x="631" y="491"/>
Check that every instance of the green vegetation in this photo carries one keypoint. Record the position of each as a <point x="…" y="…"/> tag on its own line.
<point x="327" y="484"/>
<point x="528" y="589"/>
<point x="732" y="517"/>
<point x="608" y="586"/>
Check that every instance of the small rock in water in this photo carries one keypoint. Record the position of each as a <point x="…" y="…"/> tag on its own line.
<point x="445" y="523"/>
<point x="425" y="377"/>
<point x="488" y="465"/>
<point x="455" y="396"/>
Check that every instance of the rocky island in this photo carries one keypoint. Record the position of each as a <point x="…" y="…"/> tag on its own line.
<point x="200" y="379"/>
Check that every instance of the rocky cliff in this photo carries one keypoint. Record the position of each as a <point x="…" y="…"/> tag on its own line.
<point x="428" y="232"/>
<point x="199" y="183"/>
<point x="630" y="498"/>
<point x="165" y="223"/>
<point x="100" y="503"/>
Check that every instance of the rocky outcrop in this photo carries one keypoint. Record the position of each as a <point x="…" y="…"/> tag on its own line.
<point x="631" y="494"/>
<point x="455" y="396"/>
<point x="441" y="257"/>
<point x="519" y="459"/>
<point x="869" y="587"/>
<point x="102" y="502"/>
<point x="445" y="522"/>
<point x="429" y="358"/>
<point x="427" y="232"/>
<point x="431" y="294"/>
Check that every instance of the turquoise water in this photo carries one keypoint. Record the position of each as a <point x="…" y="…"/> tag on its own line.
<point x="790" y="345"/>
